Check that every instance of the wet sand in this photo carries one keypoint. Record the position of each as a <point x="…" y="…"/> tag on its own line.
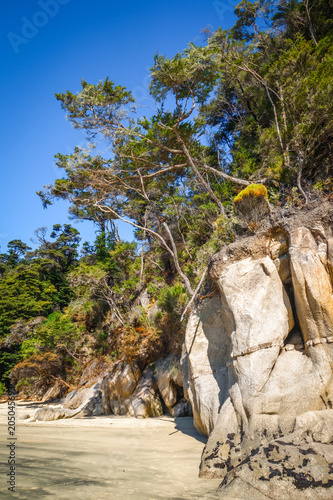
<point x="99" y="458"/>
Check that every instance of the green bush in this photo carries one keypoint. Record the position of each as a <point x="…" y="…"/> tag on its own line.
<point x="58" y="329"/>
<point x="2" y="388"/>
<point x="173" y="299"/>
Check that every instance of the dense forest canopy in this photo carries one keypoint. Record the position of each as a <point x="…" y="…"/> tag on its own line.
<point x="251" y="105"/>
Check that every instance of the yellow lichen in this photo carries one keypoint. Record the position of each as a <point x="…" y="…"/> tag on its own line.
<point x="254" y="190"/>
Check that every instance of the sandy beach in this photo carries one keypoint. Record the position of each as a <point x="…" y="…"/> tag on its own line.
<point x="99" y="458"/>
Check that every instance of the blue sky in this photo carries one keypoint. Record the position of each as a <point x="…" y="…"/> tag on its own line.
<point x="48" y="46"/>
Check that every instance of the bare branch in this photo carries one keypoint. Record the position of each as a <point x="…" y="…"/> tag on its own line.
<point x="306" y="2"/>
<point x="176" y="261"/>
<point x="194" y="294"/>
<point x="197" y="173"/>
<point x="172" y="252"/>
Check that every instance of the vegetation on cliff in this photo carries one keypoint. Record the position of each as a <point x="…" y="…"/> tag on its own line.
<point x="252" y="105"/>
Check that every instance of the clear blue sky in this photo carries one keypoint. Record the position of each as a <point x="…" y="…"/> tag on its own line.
<point x="48" y="46"/>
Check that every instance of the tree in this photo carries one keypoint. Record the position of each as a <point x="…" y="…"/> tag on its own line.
<point x="273" y="106"/>
<point x="270" y="118"/>
<point x="16" y="251"/>
<point x="151" y="158"/>
<point x="63" y="251"/>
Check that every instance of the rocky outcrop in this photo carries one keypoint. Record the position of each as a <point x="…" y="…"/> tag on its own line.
<point x="169" y="378"/>
<point x="123" y="389"/>
<point x="258" y="364"/>
<point x="117" y="386"/>
<point x="207" y="374"/>
<point x="78" y="403"/>
<point x="288" y="468"/>
<point x="144" y="402"/>
<point x="297" y="466"/>
<point x="127" y="391"/>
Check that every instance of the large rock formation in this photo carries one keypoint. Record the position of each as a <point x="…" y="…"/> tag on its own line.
<point x="118" y="388"/>
<point x="170" y="384"/>
<point x="258" y="362"/>
<point x="206" y="369"/>
<point x="125" y="391"/>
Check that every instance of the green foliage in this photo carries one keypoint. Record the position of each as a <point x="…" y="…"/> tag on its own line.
<point x="29" y="347"/>
<point x="16" y="251"/>
<point x="104" y="244"/>
<point x="186" y="75"/>
<point x="25" y="294"/>
<point x="173" y="299"/>
<point x="273" y="104"/>
<point x="2" y="388"/>
<point x="82" y="107"/>
<point x="253" y="104"/>
<point x="85" y="279"/>
<point x="58" y="330"/>
<point x="8" y="360"/>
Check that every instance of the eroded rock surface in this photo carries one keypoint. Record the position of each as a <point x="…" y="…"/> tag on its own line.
<point x="117" y="386"/>
<point x="144" y="402"/>
<point x="170" y="382"/>
<point x="283" y="469"/>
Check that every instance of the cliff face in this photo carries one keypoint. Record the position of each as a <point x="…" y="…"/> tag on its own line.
<point x="258" y="361"/>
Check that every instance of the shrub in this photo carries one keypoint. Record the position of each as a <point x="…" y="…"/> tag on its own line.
<point x="253" y="190"/>
<point x="141" y="343"/>
<point x="173" y="299"/>
<point x="36" y="374"/>
<point x="2" y="388"/>
<point x="58" y="329"/>
<point x="252" y="204"/>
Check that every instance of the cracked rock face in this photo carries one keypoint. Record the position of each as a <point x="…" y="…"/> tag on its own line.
<point x="207" y="373"/>
<point x="258" y="361"/>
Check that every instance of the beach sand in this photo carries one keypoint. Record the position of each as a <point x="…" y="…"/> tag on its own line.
<point x="114" y="458"/>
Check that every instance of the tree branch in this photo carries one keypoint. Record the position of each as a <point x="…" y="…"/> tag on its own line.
<point x="176" y="261"/>
<point x="194" y="294"/>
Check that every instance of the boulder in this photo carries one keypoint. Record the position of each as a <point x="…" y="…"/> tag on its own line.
<point x="222" y="451"/>
<point x="80" y="403"/>
<point x="256" y="315"/>
<point x="312" y="287"/>
<point x="52" y="413"/>
<point x="330" y="256"/>
<point x="144" y="402"/>
<point x="125" y="391"/>
<point x="315" y="425"/>
<point x="169" y="380"/>
<point x="182" y="408"/>
<point x="117" y="386"/>
<point x="56" y="391"/>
